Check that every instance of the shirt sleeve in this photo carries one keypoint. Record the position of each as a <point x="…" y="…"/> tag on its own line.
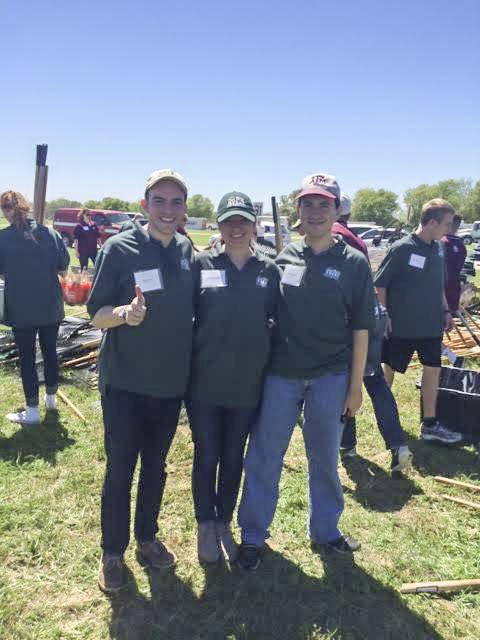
<point x="76" y="232"/>
<point x="363" y="302"/>
<point x="63" y="257"/>
<point x="388" y="268"/>
<point x="105" y="283"/>
<point x="274" y="293"/>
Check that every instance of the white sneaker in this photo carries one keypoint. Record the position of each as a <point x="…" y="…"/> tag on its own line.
<point x="50" y="401"/>
<point x="401" y="459"/>
<point x="31" y="415"/>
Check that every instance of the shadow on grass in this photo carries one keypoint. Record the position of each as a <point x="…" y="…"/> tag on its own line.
<point x="278" y="602"/>
<point x="375" y="488"/>
<point x="36" y="441"/>
<point x="441" y="460"/>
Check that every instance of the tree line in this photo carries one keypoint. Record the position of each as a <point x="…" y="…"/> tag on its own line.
<point x="379" y="206"/>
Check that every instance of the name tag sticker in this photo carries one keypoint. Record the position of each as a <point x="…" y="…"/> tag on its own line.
<point x="417" y="261"/>
<point x="293" y="275"/>
<point x="85" y="228"/>
<point x="210" y="278"/>
<point x="149" y="280"/>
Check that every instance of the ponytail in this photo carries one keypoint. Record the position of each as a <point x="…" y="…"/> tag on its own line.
<point x="14" y="202"/>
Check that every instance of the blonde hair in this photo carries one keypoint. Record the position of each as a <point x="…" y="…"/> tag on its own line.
<point x="14" y="201"/>
<point x="436" y="209"/>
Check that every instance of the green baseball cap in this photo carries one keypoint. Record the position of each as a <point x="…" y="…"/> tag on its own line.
<point x="236" y="204"/>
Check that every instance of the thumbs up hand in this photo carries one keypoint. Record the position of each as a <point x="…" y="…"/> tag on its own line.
<point x="135" y="311"/>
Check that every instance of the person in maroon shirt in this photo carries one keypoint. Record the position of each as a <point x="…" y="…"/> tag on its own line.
<point x="455" y="254"/>
<point x="86" y="235"/>
<point x="341" y="227"/>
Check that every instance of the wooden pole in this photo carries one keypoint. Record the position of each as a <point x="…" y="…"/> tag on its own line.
<point x="278" y="229"/>
<point x="457" y="483"/>
<point x="439" y="587"/>
<point x="464" y="503"/>
<point x="40" y="185"/>
<point x="70" y="404"/>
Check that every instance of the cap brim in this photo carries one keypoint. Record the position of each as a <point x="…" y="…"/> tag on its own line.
<point x="316" y="191"/>
<point x="237" y="212"/>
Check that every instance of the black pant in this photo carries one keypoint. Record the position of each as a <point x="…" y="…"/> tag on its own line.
<point x="83" y="259"/>
<point x="135" y="425"/>
<point x="25" y="339"/>
<point x="219" y="435"/>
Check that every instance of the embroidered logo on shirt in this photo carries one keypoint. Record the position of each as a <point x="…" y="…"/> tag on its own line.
<point x="455" y="249"/>
<point x="334" y="274"/>
<point x="184" y="264"/>
<point x="262" y="282"/>
<point x="440" y="250"/>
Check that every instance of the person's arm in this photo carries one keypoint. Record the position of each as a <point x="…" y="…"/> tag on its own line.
<point x="382" y="299"/>
<point x="63" y="257"/>
<point x="447" y="314"/>
<point x="133" y="314"/>
<point x="353" y="400"/>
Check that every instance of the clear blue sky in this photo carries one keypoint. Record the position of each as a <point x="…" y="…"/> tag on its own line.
<point x="238" y="95"/>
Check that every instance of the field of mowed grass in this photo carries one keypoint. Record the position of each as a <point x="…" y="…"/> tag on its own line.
<point x="50" y="479"/>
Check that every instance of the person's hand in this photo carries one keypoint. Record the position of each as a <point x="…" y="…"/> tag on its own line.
<point x="353" y="402"/>
<point x="448" y="321"/>
<point x="135" y="311"/>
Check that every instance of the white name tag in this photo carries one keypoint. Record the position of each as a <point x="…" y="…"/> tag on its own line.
<point x="417" y="261"/>
<point x="85" y="228"/>
<point x="149" y="280"/>
<point x="210" y="278"/>
<point x="293" y="275"/>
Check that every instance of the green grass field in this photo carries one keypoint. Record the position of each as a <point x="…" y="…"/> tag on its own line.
<point x="50" y="481"/>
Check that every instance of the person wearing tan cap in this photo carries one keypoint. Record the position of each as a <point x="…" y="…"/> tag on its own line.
<point x="142" y="296"/>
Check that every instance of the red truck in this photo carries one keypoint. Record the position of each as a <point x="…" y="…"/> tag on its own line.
<point x="108" y="222"/>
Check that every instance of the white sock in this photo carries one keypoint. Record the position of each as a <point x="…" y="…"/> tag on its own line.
<point x="50" y="401"/>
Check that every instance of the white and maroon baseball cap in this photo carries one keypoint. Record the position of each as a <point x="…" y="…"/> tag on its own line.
<point x="320" y="184"/>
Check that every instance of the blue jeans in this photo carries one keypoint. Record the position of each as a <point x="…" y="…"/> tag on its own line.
<point x="322" y="431"/>
<point x="386" y="413"/>
<point x="219" y="435"/>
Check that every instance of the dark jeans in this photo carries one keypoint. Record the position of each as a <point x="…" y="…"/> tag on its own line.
<point x="219" y="435"/>
<point x="25" y="339"/>
<point x="386" y="413"/>
<point x="135" y="425"/>
<point x="83" y="259"/>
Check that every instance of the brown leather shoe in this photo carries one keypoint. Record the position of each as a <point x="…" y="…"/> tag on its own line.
<point x="155" y="554"/>
<point x="112" y="574"/>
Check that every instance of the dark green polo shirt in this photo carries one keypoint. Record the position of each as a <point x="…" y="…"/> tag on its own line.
<point x="329" y="296"/>
<point x="152" y="358"/>
<point x="30" y="263"/>
<point x="412" y="272"/>
<point x="232" y="336"/>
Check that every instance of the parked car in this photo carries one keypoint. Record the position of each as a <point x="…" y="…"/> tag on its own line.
<point x="108" y="222"/>
<point x="269" y="232"/>
<point x="380" y="236"/>
<point x="470" y="233"/>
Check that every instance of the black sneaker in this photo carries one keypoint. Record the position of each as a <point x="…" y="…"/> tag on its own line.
<point x="343" y="544"/>
<point x="436" y="432"/>
<point x="249" y="557"/>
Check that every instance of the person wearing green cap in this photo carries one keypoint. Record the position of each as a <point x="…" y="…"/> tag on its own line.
<point x="318" y="357"/>
<point x="236" y="293"/>
<point x="143" y="296"/>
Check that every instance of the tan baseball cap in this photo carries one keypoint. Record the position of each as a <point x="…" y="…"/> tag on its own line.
<point x="166" y="174"/>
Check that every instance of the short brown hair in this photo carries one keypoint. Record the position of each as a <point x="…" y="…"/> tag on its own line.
<point x="82" y="213"/>
<point x="436" y="209"/>
<point x="14" y="201"/>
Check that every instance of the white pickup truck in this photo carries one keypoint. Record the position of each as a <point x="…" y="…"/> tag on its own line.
<point x="471" y="233"/>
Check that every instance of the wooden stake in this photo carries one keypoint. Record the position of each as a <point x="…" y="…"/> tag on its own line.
<point x="457" y="483"/>
<point x="277" y="226"/>
<point x="70" y="404"/>
<point x="439" y="587"/>
<point x="464" y="503"/>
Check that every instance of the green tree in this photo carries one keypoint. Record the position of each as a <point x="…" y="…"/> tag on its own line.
<point x="457" y="192"/>
<point x="60" y="203"/>
<point x="112" y="204"/>
<point x="200" y="207"/>
<point x="287" y="206"/>
<point x="378" y="206"/>
<point x="471" y="208"/>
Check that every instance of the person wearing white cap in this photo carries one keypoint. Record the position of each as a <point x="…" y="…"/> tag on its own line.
<point x="142" y="296"/>
<point x="318" y="357"/>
